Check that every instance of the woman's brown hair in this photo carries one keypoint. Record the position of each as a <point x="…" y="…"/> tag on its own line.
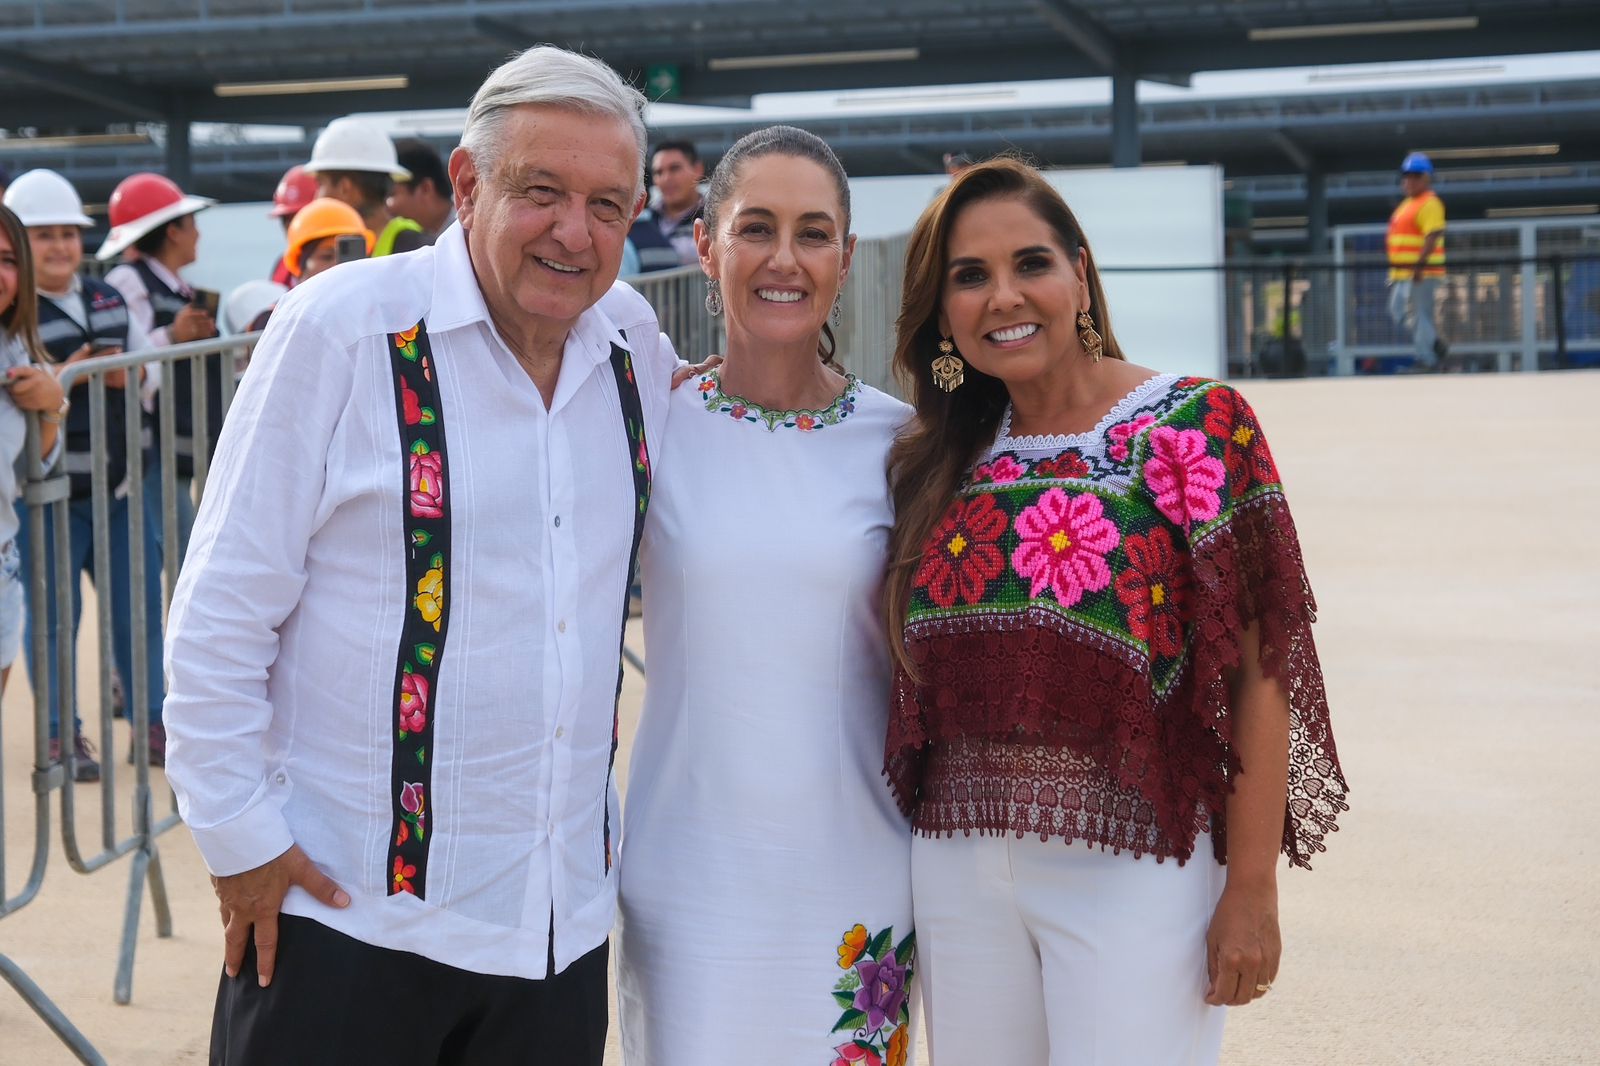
<point x="951" y="429"/>
<point x="21" y="319"/>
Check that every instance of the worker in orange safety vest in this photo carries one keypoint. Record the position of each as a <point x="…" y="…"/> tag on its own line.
<point x="1416" y="260"/>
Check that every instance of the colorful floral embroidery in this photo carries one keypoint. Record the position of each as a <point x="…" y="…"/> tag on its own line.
<point x="426" y="534"/>
<point x="1068" y="466"/>
<point x="875" y="996"/>
<point x="742" y="410"/>
<point x="1121" y="435"/>
<point x="1183" y="476"/>
<point x="1001" y="469"/>
<point x="963" y="556"/>
<point x="1155" y="589"/>
<point x="639" y="452"/>
<point x="1063" y="544"/>
<point x="1118" y="616"/>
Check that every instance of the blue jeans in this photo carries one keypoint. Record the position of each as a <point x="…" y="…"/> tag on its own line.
<point x="80" y="518"/>
<point x="186" y="509"/>
<point x="1412" y="306"/>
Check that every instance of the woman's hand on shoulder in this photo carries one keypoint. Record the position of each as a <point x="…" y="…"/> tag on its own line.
<point x="686" y="371"/>
<point x="1243" y="945"/>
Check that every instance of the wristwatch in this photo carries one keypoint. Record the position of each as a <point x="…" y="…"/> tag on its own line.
<point x="60" y="414"/>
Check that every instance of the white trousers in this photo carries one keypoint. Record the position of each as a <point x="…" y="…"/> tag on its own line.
<point x="1043" y="953"/>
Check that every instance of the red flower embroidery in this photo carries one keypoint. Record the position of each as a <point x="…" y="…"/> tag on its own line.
<point x="1066" y="466"/>
<point x="427" y="485"/>
<point x="413" y="406"/>
<point x="1155" y="589"/>
<point x="403" y="872"/>
<point x="1247" y="457"/>
<point x="962" y="556"/>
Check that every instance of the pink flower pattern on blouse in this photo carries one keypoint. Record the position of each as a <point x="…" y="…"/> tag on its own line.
<point x="1121" y="436"/>
<point x="1183" y="477"/>
<point x="1064" y="541"/>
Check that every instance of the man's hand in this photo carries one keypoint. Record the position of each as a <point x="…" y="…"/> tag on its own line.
<point x="685" y="371"/>
<point x="191" y="324"/>
<point x="252" y="900"/>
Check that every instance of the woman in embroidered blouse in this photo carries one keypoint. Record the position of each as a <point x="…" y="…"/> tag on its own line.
<point x="765" y="872"/>
<point x="1101" y="629"/>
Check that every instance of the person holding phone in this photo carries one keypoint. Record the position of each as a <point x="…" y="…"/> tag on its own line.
<point x="153" y="216"/>
<point x="80" y="317"/>
<point x="325" y="233"/>
<point x="29" y="386"/>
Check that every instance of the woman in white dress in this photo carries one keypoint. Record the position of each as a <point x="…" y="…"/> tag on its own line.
<point x="766" y="889"/>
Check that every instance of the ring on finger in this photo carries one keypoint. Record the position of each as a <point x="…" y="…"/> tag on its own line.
<point x="1262" y="990"/>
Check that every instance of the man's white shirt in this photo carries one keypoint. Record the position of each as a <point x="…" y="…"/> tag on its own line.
<point x="284" y="631"/>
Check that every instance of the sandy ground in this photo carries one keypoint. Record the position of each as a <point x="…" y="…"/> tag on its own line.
<point x="1450" y="527"/>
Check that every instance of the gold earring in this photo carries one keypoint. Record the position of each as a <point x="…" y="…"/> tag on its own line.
<point x="1092" y="344"/>
<point x="948" y="369"/>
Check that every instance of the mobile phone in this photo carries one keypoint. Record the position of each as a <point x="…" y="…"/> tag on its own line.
<point x="350" y="246"/>
<point x="206" y="300"/>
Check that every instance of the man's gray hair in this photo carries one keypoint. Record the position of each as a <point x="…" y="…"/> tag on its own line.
<point x="554" y="77"/>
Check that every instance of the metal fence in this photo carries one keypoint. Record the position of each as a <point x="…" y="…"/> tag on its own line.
<point x="52" y="575"/>
<point x="1494" y="313"/>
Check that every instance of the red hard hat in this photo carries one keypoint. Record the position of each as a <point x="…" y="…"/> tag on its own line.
<point x="296" y="189"/>
<point x="141" y="203"/>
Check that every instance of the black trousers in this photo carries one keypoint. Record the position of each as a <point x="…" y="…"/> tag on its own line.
<point x="335" y="1001"/>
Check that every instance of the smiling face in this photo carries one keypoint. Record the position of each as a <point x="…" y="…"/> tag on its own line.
<point x="780" y="251"/>
<point x="547" y="223"/>
<point x="1011" y="294"/>
<point x="57" y="254"/>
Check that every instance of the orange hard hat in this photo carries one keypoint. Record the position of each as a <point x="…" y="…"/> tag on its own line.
<point x="295" y="189"/>
<point x="141" y="203"/>
<point x="324" y="217"/>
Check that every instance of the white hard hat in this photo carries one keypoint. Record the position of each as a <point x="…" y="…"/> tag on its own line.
<point x="45" y="198"/>
<point x="354" y="144"/>
<point x="245" y="304"/>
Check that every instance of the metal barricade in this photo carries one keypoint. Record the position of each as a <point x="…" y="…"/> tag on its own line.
<point x="679" y="299"/>
<point x="53" y="576"/>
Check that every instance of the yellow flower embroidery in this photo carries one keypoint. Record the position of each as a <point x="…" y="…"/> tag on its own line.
<point x="899" y="1041"/>
<point x="405" y="337"/>
<point x="854" y="943"/>
<point x="430" y="596"/>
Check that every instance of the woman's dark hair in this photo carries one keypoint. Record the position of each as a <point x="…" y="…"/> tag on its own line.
<point x="21" y="319"/>
<point x="929" y="460"/>
<point x="794" y="143"/>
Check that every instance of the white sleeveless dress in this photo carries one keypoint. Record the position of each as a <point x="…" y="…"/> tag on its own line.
<point x="765" y="870"/>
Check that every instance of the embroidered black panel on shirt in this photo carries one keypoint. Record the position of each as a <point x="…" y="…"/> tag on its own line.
<point x="426" y="528"/>
<point x="639" y="462"/>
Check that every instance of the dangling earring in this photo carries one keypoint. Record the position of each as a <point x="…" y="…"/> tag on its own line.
<point x="836" y="316"/>
<point x="1092" y="344"/>
<point x="713" y="297"/>
<point x="948" y="369"/>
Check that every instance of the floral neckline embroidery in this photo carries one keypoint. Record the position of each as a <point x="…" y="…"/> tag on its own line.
<point x="719" y="402"/>
<point x="1062" y="441"/>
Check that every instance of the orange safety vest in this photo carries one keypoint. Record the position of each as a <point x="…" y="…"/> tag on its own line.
<point x="1406" y="238"/>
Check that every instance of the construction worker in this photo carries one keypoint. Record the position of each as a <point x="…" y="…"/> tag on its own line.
<point x="426" y="195"/>
<point x="150" y="214"/>
<point x="314" y="235"/>
<point x="295" y="189"/>
<point x="1416" y="260"/>
<point x="355" y="161"/>
<point x="80" y="317"/>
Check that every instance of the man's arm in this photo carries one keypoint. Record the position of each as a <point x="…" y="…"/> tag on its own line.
<point x="244" y="574"/>
<point x="1430" y="244"/>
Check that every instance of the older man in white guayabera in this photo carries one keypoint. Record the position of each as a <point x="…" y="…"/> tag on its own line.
<point x="394" y="647"/>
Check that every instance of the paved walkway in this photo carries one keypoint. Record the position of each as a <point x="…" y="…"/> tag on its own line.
<point x="1452" y="531"/>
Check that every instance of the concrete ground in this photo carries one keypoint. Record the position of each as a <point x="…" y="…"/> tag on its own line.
<point x="1452" y="531"/>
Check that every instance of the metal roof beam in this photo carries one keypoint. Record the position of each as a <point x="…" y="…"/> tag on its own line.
<point x="121" y="97"/>
<point x="504" y="32"/>
<point x="1297" y="155"/>
<point x="1082" y="32"/>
